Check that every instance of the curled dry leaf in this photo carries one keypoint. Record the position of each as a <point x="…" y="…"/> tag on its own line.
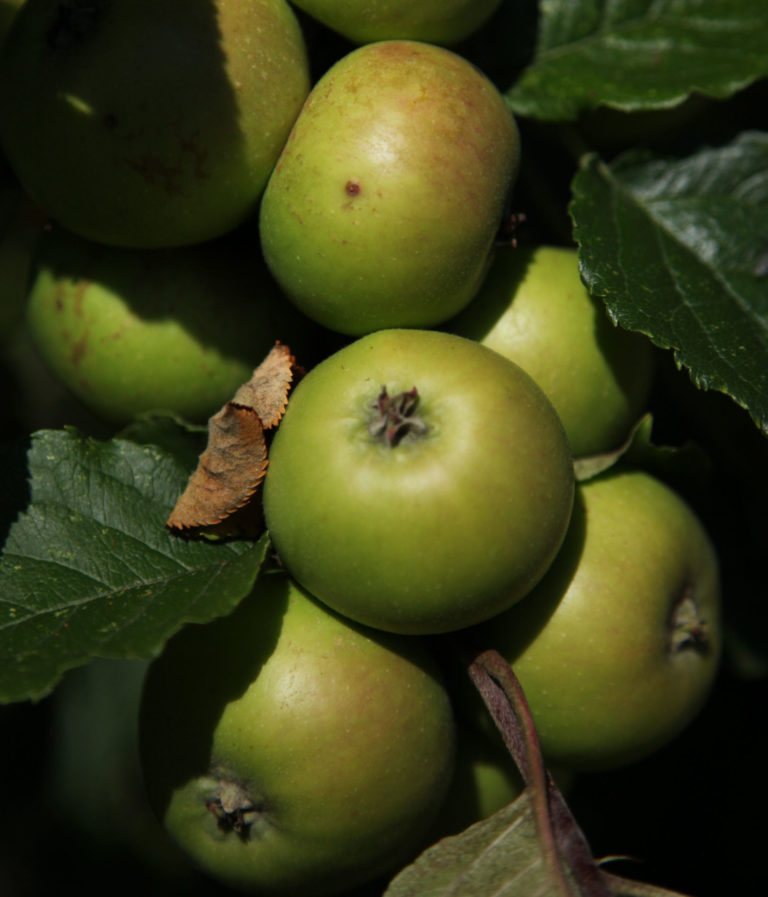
<point x="228" y="472"/>
<point x="267" y="390"/>
<point x="234" y="462"/>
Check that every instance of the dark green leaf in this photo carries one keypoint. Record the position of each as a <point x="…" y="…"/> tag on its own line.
<point x="88" y="569"/>
<point x="182" y="440"/>
<point x="678" y="250"/>
<point x="640" y="54"/>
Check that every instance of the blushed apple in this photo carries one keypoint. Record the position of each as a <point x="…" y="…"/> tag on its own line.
<point x="384" y="205"/>
<point x="290" y="752"/>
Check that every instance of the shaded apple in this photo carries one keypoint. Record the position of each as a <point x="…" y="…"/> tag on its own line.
<point x="129" y="331"/>
<point x="618" y="646"/>
<point x="435" y="21"/>
<point x="486" y="779"/>
<point x="152" y="123"/>
<point x="534" y="309"/>
<point x="291" y="752"/>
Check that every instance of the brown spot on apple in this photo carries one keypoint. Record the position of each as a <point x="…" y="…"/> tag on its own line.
<point x="80" y="290"/>
<point x="79" y="349"/>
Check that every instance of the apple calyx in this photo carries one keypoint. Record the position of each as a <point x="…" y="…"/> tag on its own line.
<point x="687" y="627"/>
<point x="396" y="417"/>
<point x="233" y="807"/>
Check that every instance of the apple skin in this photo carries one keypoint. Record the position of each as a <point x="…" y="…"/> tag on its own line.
<point x="441" y="529"/>
<point x="129" y="331"/>
<point x="172" y="151"/>
<point x="534" y="309"/>
<point x="486" y="779"/>
<point x="617" y="647"/>
<point x="434" y="21"/>
<point x="383" y="207"/>
<point x="341" y="737"/>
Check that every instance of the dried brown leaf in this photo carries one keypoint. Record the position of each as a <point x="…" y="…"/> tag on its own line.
<point x="228" y="472"/>
<point x="267" y="390"/>
<point x="216" y="501"/>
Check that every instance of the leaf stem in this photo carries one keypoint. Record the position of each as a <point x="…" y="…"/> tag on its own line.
<point x="564" y="846"/>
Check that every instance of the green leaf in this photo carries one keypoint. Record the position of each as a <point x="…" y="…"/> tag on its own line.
<point x="640" y="54"/>
<point x="589" y="466"/>
<point x="678" y="250"/>
<point x="182" y="440"/>
<point x="677" y="465"/>
<point x="499" y="855"/>
<point x="88" y="569"/>
<point x="533" y="846"/>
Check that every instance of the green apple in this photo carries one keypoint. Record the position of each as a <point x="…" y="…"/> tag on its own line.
<point x="128" y="331"/>
<point x="384" y="205"/>
<point x="534" y="309"/>
<point x="153" y="123"/>
<point x="486" y="779"/>
<point x="617" y="647"/>
<point x="418" y="482"/>
<point x="435" y="21"/>
<point x="290" y="752"/>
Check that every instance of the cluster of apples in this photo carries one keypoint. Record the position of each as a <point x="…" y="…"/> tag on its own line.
<point x="206" y="199"/>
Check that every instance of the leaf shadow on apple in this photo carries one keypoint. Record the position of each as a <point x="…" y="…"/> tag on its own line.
<point x="635" y="626"/>
<point x="534" y="309"/>
<point x="129" y="331"/>
<point x="169" y="153"/>
<point x="193" y="720"/>
<point x="488" y="306"/>
<point x="289" y="787"/>
<point x="469" y="704"/>
<point x="559" y="577"/>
